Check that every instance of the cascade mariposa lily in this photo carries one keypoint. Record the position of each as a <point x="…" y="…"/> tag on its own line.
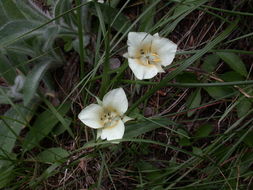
<point x="148" y="53"/>
<point x="108" y="115"/>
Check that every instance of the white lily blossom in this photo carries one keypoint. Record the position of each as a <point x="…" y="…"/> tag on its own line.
<point x="108" y="115"/>
<point x="148" y="53"/>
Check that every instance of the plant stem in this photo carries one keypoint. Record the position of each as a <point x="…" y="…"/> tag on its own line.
<point x="80" y="35"/>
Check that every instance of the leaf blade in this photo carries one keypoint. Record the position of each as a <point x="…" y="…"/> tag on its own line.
<point x="32" y="82"/>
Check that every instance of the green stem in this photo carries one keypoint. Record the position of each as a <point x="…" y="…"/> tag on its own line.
<point x="106" y="65"/>
<point x="228" y="11"/>
<point x="191" y="84"/>
<point x="80" y="35"/>
<point x="216" y="50"/>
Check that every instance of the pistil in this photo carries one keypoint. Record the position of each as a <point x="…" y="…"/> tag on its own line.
<point x="109" y="119"/>
<point x="148" y="57"/>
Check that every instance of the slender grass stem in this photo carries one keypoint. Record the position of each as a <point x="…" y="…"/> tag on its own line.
<point x="191" y="84"/>
<point x="106" y="64"/>
<point x="228" y="11"/>
<point x="80" y="35"/>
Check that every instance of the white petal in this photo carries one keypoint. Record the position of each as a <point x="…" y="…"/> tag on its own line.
<point x="137" y="38"/>
<point x="142" y="71"/>
<point x="126" y="119"/>
<point x="90" y="116"/>
<point x="133" y="51"/>
<point x="99" y="132"/>
<point x="167" y="58"/>
<point x="156" y="35"/>
<point x="126" y="55"/>
<point x="166" y="49"/>
<point x="99" y="101"/>
<point x="159" y="68"/>
<point x="115" y="132"/>
<point x="117" y="100"/>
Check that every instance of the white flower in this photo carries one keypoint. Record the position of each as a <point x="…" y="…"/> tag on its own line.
<point x="147" y="54"/>
<point x="101" y="1"/>
<point x="107" y="116"/>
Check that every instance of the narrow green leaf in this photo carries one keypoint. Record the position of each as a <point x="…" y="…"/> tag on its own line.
<point x="51" y="170"/>
<point x="243" y="107"/>
<point x="59" y="117"/>
<point x="80" y="37"/>
<point x="180" y="13"/>
<point x="11" y="9"/>
<point x="184" y="142"/>
<point x="234" y="61"/>
<point x="219" y="92"/>
<point x="50" y="35"/>
<point x="21" y="49"/>
<point x="60" y="7"/>
<point x="52" y="155"/>
<point x="32" y="81"/>
<point x="203" y="131"/>
<point x="197" y="151"/>
<point x="6" y="70"/>
<point x="184" y="6"/>
<point x="108" y="12"/>
<point x="14" y="29"/>
<point x="6" y="176"/>
<point x="3" y="17"/>
<point x="248" y="140"/>
<point x="210" y="62"/>
<point x="59" y="129"/>
<point x="16" y="59"/>
<point x="232" y="76"/>
<point x="42" y="126"/>
<point x="31" y="11"/>
<point x="147" y="21"/>
<point x="194" y="101"/>
<point x="10" y="126"/>
<point x="187" y="77"/>
<point x="142" y="127"/>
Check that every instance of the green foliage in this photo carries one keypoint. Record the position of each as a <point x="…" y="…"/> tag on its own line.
<point x="142" y="127"/>
<point x="11" y="10"/>
<point x="248" y="140"/>
<point x="219" y="92"/>
<point x="194" y="101"/>
<point x="187" y="77"/>
<point x="52" y="155"/>
<point x="243" y="107"/>
<point x="32" y="82"/>
<point x="6" y="70"/>
<point x="183" y="140"/>
<point x="42" y="126"/>
<point x="210" y="62"/>
<point x="235" y="62"/>
<point x="11" y="124"/>
<point x="203" y="131"/>
<point x="111" y="15"/>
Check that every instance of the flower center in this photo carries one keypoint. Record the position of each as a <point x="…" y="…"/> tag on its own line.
<point x="148" y="57"/>
<point x="109" y="118"/>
